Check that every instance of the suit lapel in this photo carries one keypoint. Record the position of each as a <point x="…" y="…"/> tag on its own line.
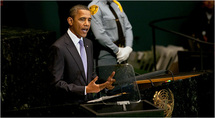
<point x="73" y="51"/>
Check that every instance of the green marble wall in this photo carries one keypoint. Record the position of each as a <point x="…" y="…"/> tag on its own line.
<point x="24" y="67"/>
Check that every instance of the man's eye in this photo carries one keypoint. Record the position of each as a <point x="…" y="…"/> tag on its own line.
<point x="82" y="19"/>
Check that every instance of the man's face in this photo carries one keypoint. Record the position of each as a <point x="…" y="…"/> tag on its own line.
<point x="80" y="25"/>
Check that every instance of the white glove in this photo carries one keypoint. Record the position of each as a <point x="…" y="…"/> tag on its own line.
<point x="123" y="54"/>
<point x="119" y="53"/>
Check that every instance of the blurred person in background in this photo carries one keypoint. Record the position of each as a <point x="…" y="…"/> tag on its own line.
<point x="112" y="31"/>
<point x="201" y="24"/>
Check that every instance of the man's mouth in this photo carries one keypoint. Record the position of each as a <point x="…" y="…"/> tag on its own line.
<point x="85" y="30"/>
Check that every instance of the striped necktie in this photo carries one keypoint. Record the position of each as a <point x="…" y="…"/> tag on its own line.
<point x="83" y="56"/>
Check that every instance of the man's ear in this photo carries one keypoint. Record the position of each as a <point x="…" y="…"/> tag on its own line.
<point x="70" y="21"/>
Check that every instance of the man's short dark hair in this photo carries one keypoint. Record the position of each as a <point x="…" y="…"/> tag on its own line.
<point x="73" y="11"/>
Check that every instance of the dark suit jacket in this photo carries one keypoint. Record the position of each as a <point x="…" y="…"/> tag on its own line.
<point x="67" y="71"/>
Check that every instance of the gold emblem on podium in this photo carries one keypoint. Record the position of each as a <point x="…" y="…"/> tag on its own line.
<point x="164" y="99"/>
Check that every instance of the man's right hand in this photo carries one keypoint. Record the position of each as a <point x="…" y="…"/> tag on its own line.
<point x="92" y="87"/>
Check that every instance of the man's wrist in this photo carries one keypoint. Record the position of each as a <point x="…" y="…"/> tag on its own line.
<point x="116" y="51"/>
<point x="85" y="90"/>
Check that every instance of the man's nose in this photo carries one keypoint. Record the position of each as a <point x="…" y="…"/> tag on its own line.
<point x="87" y="23"/>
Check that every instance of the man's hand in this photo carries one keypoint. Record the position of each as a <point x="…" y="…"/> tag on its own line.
<point x="110" y="81"/>
<point x="123" y="54"/>
<point x="92" y="87"/>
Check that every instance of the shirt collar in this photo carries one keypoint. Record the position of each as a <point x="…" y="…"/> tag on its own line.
<point x="105" y="1"/>
<point x="73" y="37"/>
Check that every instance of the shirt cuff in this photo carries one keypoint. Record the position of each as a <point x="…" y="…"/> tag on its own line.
<point x="85" y="93"/>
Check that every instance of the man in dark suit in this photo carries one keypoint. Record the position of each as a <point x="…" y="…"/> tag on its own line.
<point x="200" y="25"/>
<point x="74" y="80"/>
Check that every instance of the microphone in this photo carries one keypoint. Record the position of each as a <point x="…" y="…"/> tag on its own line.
<point x="151" y="74"/>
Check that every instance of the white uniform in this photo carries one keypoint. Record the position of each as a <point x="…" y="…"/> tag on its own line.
<point x="105" y="30"/>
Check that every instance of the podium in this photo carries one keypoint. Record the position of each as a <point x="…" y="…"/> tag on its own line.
<point x="141" y="109"/>
<point x="193" y="92"/>
<point x="124" y="99"/>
